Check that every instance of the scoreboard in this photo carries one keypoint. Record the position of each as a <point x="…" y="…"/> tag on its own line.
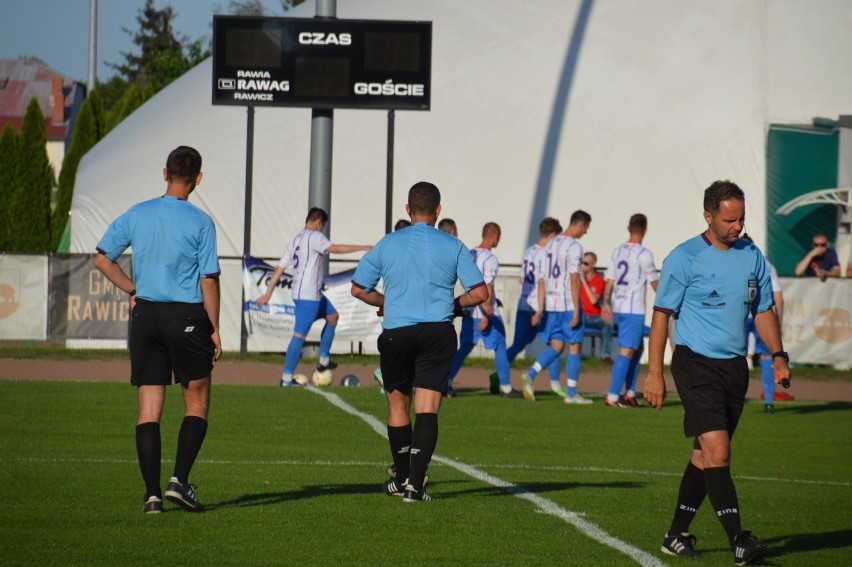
<point x="321" y="63"/>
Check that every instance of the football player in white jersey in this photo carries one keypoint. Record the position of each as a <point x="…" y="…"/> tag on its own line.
<point x="767" y="374"/>
<point x="306" y="255"/>
<point x="486" y="324"/>
<point x="525" y="331"/>
<point x="559" y="309"/>
<point x="629" y="272"/>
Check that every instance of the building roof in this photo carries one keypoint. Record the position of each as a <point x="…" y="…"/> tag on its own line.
<point x="23" y="79"/>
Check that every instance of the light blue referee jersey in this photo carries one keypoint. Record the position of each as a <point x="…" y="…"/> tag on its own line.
<point x="420" y="265"/>
<point x="711" y="293"/>
<point x="174" y="246"/>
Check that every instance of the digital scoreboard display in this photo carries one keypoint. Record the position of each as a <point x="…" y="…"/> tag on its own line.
<point x="321" y="63"/>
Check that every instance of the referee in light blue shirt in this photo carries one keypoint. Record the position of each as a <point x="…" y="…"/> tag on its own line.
<point x="711" y="283"/>
<point x="174" y="300"/>
<point x="420" y="266"/>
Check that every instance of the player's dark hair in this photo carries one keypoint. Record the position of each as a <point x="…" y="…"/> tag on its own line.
<point x="400" y="224"/>
<point x="549" y="225"/>
<point x="580" y="216"/>
<point x="448" y="226"/>
<point x="491" y="228"/>
<point x="423" y="198"/>
<point x="638" y="223"/>
<point x="593" y="255"/>
<point x="316" y="213"/>
<point x="745" y="236"/>
<point x="183" y="164"/>
<point x="721" y="191"/>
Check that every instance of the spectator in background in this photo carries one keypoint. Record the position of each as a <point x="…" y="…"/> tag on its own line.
<point x="821" y="261"/>
<point x="448" y="226"/>
<point x="592" y="287"/>
<point x="400" y="224"/>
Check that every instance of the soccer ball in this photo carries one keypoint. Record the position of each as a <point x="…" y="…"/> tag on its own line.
<point x="324" y="378"/>
<point x="300" y="379"/>
<point x="350" y="381"/>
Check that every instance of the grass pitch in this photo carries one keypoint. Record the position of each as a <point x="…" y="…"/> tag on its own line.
<point x="290" y="478"/>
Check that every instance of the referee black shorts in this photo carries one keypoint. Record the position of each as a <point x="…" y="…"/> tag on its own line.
<point x="712" y="391"/>
<point x="419" y="355"/>
<point x="167" y="338"/>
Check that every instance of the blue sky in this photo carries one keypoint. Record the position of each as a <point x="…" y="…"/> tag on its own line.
<point x="57" y="31"/>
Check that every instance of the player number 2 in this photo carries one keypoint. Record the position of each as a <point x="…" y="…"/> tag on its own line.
<point x="623" y="267"/>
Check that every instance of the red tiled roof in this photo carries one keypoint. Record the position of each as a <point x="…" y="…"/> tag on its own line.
<point x="20" y="81"/>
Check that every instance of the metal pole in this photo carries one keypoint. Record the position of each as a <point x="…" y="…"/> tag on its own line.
<point x="322" y="135"/>
<point x="247" y="222"/>
<point x="93" y="45"/>
<point x="389" y="182"/>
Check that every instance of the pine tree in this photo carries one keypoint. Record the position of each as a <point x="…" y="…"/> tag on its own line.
<point x="87" y="131"/>
<point x="162" y="57"/>
<point x="34" y="180"/>
<point x="8" y="147"/>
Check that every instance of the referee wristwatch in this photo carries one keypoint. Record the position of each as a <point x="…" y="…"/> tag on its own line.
<point x="781" y="354"/>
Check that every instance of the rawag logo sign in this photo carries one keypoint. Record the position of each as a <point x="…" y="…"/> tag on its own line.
<point x="253" y="85"/>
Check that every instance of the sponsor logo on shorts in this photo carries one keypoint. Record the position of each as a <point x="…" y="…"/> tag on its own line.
<point x="189" y="329"/>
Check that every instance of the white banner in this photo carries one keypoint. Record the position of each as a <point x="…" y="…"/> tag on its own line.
<point x="817" y="321"/>
<point x="23" y="297"/>
<point x="271" y="326"/>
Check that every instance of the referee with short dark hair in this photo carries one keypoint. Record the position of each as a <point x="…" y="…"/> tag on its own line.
<point x="711" y="283"/>
<point x="420" y="266"/>
<point x="174" y="300"/>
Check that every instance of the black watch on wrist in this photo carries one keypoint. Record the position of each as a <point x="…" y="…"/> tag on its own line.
<point x="782" y="354"/>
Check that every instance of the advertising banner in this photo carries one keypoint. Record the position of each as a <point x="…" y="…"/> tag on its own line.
<point x="271" y="326"/>
<point x="84" y="303"/>
<point x="817" y="320"/>
<point x="23" y="297"/>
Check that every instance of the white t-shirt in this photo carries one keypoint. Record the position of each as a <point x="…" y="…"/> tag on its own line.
<point x="563" y="257"/>
<point x="631" y="268"/>
<point x="488" y="264"/>
<point x="306" y="254"/>
<point x="533" y="258"/>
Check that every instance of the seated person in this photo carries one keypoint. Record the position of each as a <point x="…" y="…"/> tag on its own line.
<point x="820" y="262"/>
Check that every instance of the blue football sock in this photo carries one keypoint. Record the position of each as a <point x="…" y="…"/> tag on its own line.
<point x="619" y="374"/>
<point x="544" y="360"/>
<point x="294" y="354"/>
<point x="555" y="369"/>
<point x="633" y="373"/>
<point x="767" y="376"/>
<point x="501" y="364"/>
<point x="572" y="369"/>
<point x="326" y="338"/>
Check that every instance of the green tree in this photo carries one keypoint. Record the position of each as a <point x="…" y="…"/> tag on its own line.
<point x="8" y="146"/>
<point x="34" y="180"/>
<point x="162" y="56"/>
<point x="88" y="129"/>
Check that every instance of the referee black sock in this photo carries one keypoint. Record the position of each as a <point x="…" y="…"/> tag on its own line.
<point x="148" y="452"/>
<point x="191" y="436"/>
<point x="693" y="489"/>
<point x="723" y="497"/>
<point x="400" y="444"/>
<point x="423" y="441"/>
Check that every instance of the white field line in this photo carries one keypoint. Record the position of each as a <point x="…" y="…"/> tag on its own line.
<point x="383" y="465"/>
<point x="546" y="506"/>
